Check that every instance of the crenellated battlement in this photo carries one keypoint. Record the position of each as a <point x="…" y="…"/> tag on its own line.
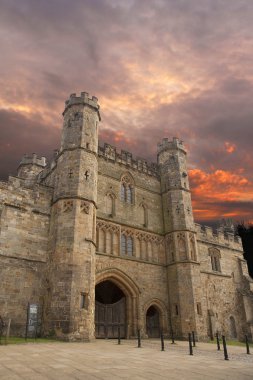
<point x="33" y="160"/>
<point x="170" y="145"/>
<point x="218" y="236"/>
<point x="109" y="152"/>
<point x="84" y="98"/>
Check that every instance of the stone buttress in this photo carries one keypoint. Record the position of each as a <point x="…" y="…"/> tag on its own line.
<point x="71" y="269"/>
<point x="180" y="238"/>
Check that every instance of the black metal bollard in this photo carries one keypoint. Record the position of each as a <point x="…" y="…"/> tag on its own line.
<point x="119" y="335"/>
<point x="27" y="321"/>
<point x="162" y="342"/>
<point x="172" y="337"/>
<point x="193" y="339"/>
<point x="247" y="345"/>
<point x="139" y="338"/>
<point x="218" y="341"/>
<point x="190" y="344"/>
<point x="225" y="348"/>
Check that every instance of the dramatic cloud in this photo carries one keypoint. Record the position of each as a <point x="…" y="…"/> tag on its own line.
<point x="221" y="193"/>
<point x="160" y="68"/>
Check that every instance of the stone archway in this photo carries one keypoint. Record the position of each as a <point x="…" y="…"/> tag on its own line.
<point x="156" y="318"/>
<point x="110" y="310"/>
<point x="129" y="292"/>
<point x="153" y="328"/>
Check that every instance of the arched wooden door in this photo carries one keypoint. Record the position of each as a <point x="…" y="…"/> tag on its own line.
<point x="153" y="322"/>
<point x="110" y="311"/>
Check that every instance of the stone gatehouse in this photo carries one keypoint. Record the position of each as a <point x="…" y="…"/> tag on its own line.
<point x="101" y="240"/>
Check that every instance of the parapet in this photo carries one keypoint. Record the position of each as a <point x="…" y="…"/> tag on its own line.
<point x="170" y="145"/>
<point x="218" y="236"/>
<point x="84" y="98"/>
<point x="33" y="160"/>
<point x="30" y="167"/>
<point x="109" y="152"/>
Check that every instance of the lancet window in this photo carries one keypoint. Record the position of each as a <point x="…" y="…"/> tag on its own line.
<point x="127" y="190"/>
<point x="126" y="245"/>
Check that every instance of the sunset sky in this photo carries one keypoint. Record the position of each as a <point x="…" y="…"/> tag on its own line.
<point x="160" y="68"/>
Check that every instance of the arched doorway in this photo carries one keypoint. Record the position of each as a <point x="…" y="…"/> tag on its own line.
<point x="110" y="310"/>
<point x="233" y="333"/>
<point x="153" y="322"/>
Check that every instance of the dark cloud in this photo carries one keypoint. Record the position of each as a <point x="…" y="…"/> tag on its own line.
<point x="21" y="135"/>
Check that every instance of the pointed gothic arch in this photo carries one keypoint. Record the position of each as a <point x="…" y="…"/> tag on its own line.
<point x="131" y="292"/>
<point x="163" y="313"/>
<point x="110" y="204"/>
<point x="144" y="214"/>
<point x="127" y="186"/>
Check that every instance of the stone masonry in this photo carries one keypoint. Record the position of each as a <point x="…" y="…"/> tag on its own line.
<point x="93" y="219"/>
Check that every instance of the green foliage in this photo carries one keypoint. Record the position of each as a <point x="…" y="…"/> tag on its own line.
<point x="232" y="343"/>
<point x="19" y="340"/>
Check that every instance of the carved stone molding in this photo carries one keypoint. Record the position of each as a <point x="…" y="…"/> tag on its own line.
<point x="105" y="226"/>
<point x="67" y="206"/>
<point x="85" y="207"/>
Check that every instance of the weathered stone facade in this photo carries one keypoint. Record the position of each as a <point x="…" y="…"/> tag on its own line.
<point x="101" y="240"/>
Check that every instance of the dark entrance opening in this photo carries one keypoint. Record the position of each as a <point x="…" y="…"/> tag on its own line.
<point x="152" y="322"/>
<point x="110" y="311"/>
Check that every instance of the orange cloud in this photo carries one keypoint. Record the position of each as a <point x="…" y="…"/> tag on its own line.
<point x="230" y="148"/>
<point x="221" y="194"/>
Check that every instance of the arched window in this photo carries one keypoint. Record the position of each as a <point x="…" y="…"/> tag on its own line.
<point x="129" y="195"/>
<point x="123" y="244"/>
<point x="129" y="246"/>
<point x="122" y="192"/>
<point x="127" y="190"/>
<point x="126" y="245"/>
<point x="215" y="259"/>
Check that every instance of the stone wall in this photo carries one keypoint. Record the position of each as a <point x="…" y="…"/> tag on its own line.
<point x="222" y="300"/>
<point x="24" y="224"/>
<point x="150" y="280"/>
<point x="146" y="192"/>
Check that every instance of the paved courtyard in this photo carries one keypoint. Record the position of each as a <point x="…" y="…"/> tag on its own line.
<point x="105" y="359"/>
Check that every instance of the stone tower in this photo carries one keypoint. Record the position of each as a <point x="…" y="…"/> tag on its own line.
<point x="181" y="248"/>
<point x="71" y="269"/>
<point x="30" y="167"/>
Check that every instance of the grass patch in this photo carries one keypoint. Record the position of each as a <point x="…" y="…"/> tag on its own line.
<point x="20" y="340"/>
<point x="232" y="343"/>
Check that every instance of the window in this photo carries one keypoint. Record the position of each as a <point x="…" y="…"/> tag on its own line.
<point x="199" y="310"/>
<point x="123" y="192"/>
<point x="129" y="195"/>
<point x="215" y="260"/>
<point x="83" y="301"/>
<point x="176" y="309"/>
<point x="129" y="246"/>
<point x="123" y="244"/>
<point x="126" y="245"/>
<point x="126" y="190"/>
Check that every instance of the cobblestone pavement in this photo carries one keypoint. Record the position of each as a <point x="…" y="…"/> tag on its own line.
<point x="105" y="359"/>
